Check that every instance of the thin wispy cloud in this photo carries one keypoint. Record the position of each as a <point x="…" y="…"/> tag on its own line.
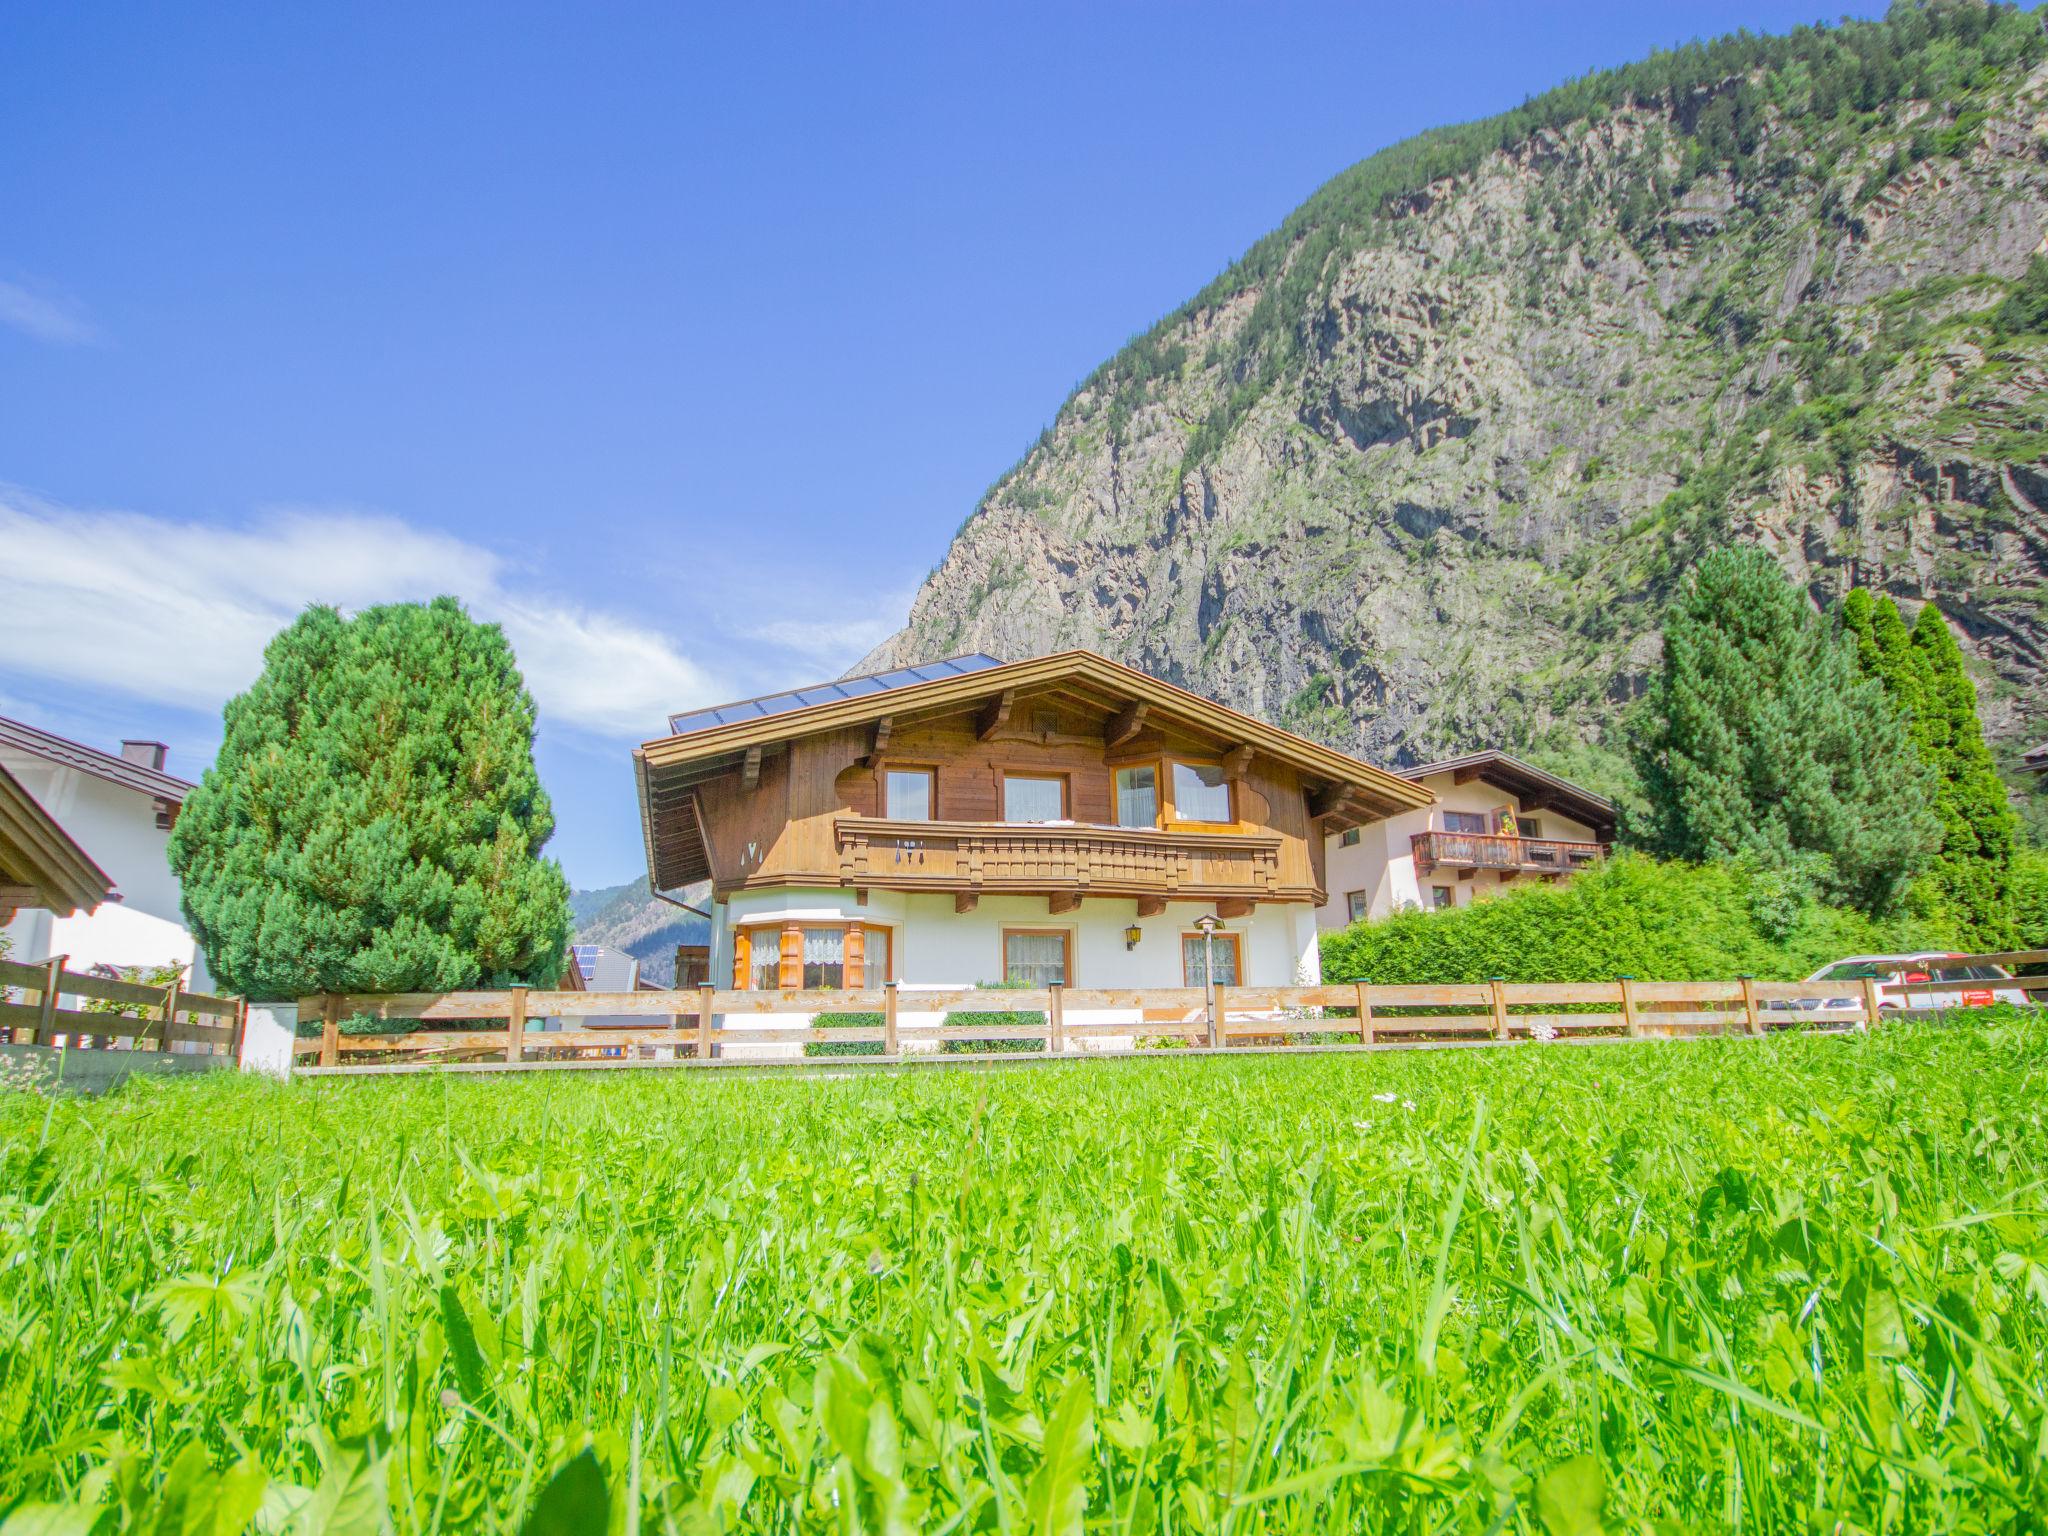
<point x="45" y="317"/>
<point x="178" y="613"/>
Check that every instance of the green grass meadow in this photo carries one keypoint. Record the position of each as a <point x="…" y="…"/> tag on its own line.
<point x="1790" y="1285"/>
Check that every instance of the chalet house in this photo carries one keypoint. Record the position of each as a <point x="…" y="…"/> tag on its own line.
<point x="1492" y="820"/>
<point x="117" y="808"/>
<point x="1061" y="820"/>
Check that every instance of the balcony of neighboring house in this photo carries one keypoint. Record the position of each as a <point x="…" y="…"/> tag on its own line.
<point x="1507" y="853"/>
<point x="1067" y="859"/>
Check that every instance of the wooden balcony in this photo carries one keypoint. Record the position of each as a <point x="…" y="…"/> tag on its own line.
<point x="976" y="858"/>
<point x="1516" y="855"/>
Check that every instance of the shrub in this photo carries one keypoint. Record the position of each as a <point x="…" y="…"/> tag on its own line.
<point x="849" y="1047"/>
<point x="1632" y="916"/>
<point x="1004" y="1019"/>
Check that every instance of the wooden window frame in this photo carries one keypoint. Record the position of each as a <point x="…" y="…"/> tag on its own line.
<point x="1065" y="936"/>
<point x="1450" y="890"/>
<point x="1365" y="911"/>
<point x="1059" y="776"/>
<point x="1350" y="837"/>
<point x="1222" y="936"/>
<point x="1484" y="829"/>
<point x="743" y="951"/>
<point x="929" y="770"/>
<point x="1161" y="804"/>
<point x="1170" y="805"/>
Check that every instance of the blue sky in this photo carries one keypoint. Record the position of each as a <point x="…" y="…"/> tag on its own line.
<point x="677" y="339"/>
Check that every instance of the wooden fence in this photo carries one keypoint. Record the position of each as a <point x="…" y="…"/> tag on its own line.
<point x="143" y="1018"/>
<point x="710" y="1027"/>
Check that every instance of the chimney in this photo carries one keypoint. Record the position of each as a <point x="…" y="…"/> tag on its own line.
<point x="148" y="754"/>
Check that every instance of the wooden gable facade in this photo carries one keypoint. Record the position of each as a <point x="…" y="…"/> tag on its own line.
<point x="1013" y="771"/>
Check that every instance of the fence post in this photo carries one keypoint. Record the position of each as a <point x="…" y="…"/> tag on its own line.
<point x="1870" y="1002"/>
<point x="53" y="980"/>
<point x="890" y="1045"/>
<point x="1364" y="989"/>
<point x="1629" y="1020"/>
<point x="1056" y="1023"/>
<point x="704" y="1021"/>
<point x="1750" y="1020"/>
<point x="330" y="1030"/>
<point x="515" y="1027"/>
<point x="1215" y="1015"/>
<point x="1500" y="1006"/>
<point x="163" y="1043"/>
<point x="239" y="1031"/>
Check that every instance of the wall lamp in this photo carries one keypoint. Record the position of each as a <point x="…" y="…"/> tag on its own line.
<point x="1131" y="936"/>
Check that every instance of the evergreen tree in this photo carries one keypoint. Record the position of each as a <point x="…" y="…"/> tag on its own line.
<point x="374" y="820"/>
<point x="1760" y="739"/>
<point x="1978" y="827"/>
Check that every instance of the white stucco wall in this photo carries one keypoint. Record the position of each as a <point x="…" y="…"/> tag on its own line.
<point x="1382" y="862"/>
<point x="117" y="829"/>
<point x="936" y="947"/>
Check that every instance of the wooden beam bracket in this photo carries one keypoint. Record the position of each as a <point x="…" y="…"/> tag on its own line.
<point x="994" y="715"/>
<point x="1125" y="723"/>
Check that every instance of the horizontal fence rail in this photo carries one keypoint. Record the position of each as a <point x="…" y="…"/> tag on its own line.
<point x="136" y="1017"/>
<point x="709" y="1026"/>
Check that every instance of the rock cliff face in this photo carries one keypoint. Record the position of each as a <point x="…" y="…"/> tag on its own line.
<point x="1418" y="477"/>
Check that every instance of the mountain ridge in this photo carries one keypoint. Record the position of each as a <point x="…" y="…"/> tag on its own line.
<point x="1417" y="472"/>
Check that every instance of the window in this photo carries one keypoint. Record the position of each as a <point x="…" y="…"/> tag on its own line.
<point x="824" y="957"/>
<point x="1034" y="797"/>
<point x="1441" y="897"/>
<point x="764" y="959"/>
<point x="1194" y="956"/>
<point x="1137" y="796"/>
<point x="1348" y="838"/>
<point x="1466" y="821"/>
<point x="1200" y="793"/>
<point x="1037" y="957"/>
<point x="1528" y="826"/>
<point x="1358" y="904"/>
<point x="907" y="794"/>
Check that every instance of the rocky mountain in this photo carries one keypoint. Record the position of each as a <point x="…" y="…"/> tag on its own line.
<point x="1417" y="473"/>
<point x="631" y="918"/>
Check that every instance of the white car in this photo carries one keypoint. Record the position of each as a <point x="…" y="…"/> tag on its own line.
<point x="1974" y="983"/>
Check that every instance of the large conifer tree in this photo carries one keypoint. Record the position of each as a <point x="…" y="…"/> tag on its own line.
<point x="374" y="820"/>
<point x="1761" y="738"/>
<point x="1977" y="822"/>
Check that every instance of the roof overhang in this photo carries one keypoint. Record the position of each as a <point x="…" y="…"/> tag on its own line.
<point x="1343" y="791"/>
<point x="1537" y="788"/>
<point x="40" y="864"/>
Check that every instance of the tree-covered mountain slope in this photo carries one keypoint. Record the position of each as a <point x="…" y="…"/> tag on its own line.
<point x="1418" y="472"/>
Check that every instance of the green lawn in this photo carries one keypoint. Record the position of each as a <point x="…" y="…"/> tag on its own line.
<point x="1777" y="1283"/>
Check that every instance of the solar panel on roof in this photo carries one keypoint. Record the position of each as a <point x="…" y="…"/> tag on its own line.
<point x="826" y="693"/>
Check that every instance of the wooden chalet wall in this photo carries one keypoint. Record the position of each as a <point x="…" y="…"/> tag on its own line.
<point x="782" y="831"/>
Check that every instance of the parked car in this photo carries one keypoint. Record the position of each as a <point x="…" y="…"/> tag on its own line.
<point x="1975" y="983"/>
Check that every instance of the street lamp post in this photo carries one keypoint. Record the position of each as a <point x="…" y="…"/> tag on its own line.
<point x="1208" y="924"/>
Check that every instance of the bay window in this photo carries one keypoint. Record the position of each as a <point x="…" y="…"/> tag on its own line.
<point x="1201" y="792"/>
<point x="1137" y="796"/>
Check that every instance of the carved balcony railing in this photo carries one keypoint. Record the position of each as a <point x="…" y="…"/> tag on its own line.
<point x="976" y="857"/>
<point x="1488" y="850"/>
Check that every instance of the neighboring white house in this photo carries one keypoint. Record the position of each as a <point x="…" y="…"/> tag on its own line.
<point x="119" y="809"/>
<point x="1494" y="821"/>
<point x="1063" y="819"/>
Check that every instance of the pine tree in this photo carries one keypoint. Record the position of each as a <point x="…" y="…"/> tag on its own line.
<point x="374" y="820"/>
<point x="1761" y="739"/>
<point x="1979" y="829"/>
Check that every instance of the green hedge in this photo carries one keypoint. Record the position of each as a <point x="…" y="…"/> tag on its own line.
<point x="851" y="1047"/>
<point x="1631" y="916"/>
